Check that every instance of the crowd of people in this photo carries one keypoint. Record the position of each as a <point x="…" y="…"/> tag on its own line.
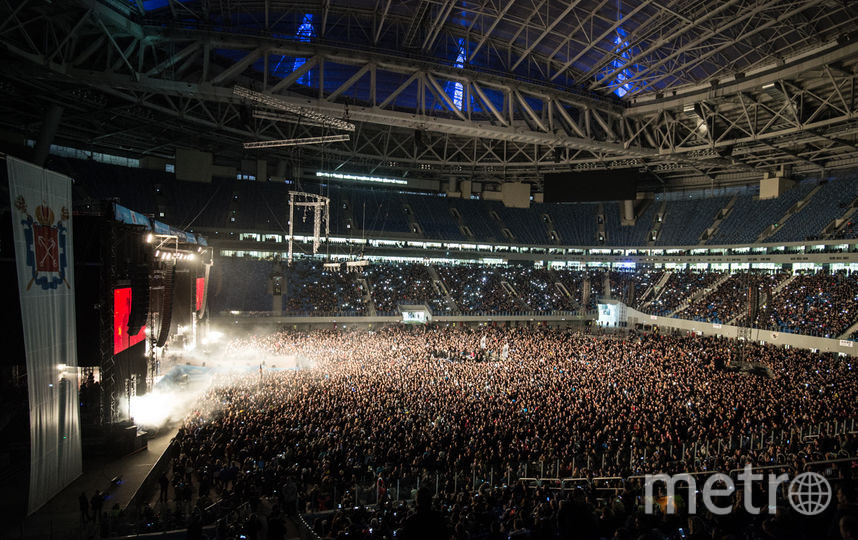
<point x="681" y="287"/>
<point x="731" y="299"/>
<point x="822" y="304"/>
<point x="477" y="288"/>
<point x="819" y="304"/>
<point x="438" y="407"/>
<point x="311" y="288"/>
<point x="404" y="283"/>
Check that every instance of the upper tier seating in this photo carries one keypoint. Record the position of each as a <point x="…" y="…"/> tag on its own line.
<point x="685" y="221"/>
<point x="476" y="216"/>
<point x="575" y="223"/>
<point x="377" y="211"/>
<point x="750" y="216"/>
<point x="433" y="215"/>
<point x="252" y="206"/>
<point x="634" y="235"/>
<point x="829" y="203"/>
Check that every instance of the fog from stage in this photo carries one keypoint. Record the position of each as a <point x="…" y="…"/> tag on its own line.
<point x="186" y="375"/>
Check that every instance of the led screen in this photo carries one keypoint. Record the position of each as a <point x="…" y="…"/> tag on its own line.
<point x="121" y="312"/>
<point x="201" y="289"/>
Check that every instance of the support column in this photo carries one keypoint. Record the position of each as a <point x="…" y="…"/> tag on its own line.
<point x="628" y="210"/>
<point x="49" y="130"/>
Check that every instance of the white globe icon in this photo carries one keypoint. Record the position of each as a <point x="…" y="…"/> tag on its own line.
<point x="809" y="493"/>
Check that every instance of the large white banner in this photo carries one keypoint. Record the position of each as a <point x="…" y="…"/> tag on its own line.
<point x="42" y="229"/>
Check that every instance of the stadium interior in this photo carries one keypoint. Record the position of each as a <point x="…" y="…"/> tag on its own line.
<point x="442" y="269"/>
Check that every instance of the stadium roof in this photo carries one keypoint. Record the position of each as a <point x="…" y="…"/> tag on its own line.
<point x="698" y="92"/>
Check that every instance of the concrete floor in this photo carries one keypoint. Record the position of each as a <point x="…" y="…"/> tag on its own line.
<point x="59" y="519"/>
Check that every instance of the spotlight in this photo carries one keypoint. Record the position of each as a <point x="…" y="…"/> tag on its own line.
<point x="150" y="238"/>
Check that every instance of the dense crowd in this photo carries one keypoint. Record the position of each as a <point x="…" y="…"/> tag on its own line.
<point x="538" y="290"/>
<point x="681" y="286"/>
<point x="820" y="304"/>
<point x="448" y="405"/>
<point x="313" y="288"/>
<point x="480" y="288"/>
<point x="404" y="283"/>
<point x="731" y="299"/>
<point x="631" y="286"/>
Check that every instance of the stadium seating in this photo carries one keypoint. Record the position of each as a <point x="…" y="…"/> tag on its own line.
<point x="685" y="221"/>
<point x="398" y="283"/>
<point x="476" y="215"/>
<point x="575" y="223"/>
<point x="313" y="289"/>
<point x="377" y="211"/>
<point x="730" y="299"/>
<point x="680" y="287"/>
<point x="477" y="288"/>
<point x="525" y="225"/>
<point x="433" y="215"/>
<point x="537" y="289"/>
<point x="631" y="235"/>
<point x="263" y="207"/>
<point x="628" y="286"/>
<point x="829" y="203"/>
<point x="749" y="216"/>
<point x="815" y="304"/>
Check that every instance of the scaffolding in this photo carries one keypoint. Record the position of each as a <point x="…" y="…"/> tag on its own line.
<point x="321" y="213"/>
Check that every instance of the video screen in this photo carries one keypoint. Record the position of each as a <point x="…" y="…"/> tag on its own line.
<point x="121" y="312"/>
<point x="201" y="290"/>
<point x="414" y="317"/>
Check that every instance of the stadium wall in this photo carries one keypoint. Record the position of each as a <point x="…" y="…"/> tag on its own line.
<point x="759" y="335"/>
<point x="633" y="317"/>
<point x="368" y="321"/>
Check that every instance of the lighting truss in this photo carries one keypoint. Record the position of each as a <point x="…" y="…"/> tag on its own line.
<point x="321" y="212"/>
<point x="274" y="103"/>
<point x="296" y="142"/>
<point x="279" y="117"/>
<point x="166" y="248"/>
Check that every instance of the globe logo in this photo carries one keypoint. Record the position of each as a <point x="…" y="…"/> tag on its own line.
<point x="809" y="493"/>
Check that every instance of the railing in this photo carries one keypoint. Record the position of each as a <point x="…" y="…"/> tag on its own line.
<point x="834" y="334"/>
<point x="397" y="314"/>
<point x="565" y="476"/>
<point x="305" y="532"/>
<point x="603" y="488"/>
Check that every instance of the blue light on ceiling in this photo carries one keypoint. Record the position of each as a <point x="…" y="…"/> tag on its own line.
<point x="621" y="47"/>
<point x="304" y="34"/>
<point x="152" y="5"/>
<point x="455" y="89"/>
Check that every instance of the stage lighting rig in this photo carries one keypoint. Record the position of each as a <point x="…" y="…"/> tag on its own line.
<point x="320" y="206"/>
<point x="303" y="112"/>
<point x="296" y="142"/>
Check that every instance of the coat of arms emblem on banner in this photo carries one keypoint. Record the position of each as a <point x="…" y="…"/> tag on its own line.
<point x="46" y="245"/>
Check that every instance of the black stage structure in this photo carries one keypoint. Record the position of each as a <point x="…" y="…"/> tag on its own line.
<point x="140" y="288"/>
